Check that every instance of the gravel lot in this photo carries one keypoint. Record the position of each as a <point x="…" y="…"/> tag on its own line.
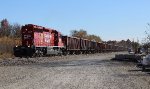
<point x="94" y="71"/>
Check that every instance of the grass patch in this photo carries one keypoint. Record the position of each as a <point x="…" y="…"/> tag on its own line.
<point x="6" y="46"/>
<point x="6" y="55"/>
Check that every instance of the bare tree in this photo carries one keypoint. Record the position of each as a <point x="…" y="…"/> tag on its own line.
<point x="4" y="28"/>
<point x="83" y="34"/>
<point x="7" y="29"/>
<point x="94" y="38"/>
<point x="16" y="30"/>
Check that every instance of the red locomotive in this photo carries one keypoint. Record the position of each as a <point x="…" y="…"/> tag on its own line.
<point x="39" y="41"/>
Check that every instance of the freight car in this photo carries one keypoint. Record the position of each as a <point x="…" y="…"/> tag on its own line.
<point x="74" y="45"/>
<point x="39" y="41"/>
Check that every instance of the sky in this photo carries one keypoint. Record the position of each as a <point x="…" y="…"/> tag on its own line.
<point x="109" y="19"/>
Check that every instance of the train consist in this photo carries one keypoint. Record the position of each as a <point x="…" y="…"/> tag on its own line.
<point x="39" y="41"/>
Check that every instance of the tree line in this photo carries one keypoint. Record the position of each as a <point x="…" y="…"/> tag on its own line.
<point x="9" y="30"/>
<point x="14" y="30"/>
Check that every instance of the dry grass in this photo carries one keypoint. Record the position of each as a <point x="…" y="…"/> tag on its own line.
<point x="6" y="46"/>
<point x="6" y="55"/>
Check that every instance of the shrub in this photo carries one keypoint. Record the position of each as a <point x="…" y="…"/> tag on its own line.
<point x="7" y="44"/>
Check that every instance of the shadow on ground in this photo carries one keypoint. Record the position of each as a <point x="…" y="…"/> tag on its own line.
<point x="125" y="60"/>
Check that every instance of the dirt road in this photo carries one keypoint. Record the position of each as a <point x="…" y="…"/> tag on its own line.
<point x="95" y="71"/>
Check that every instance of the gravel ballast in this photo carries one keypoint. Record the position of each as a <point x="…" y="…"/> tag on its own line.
<point x="93" y="71"/>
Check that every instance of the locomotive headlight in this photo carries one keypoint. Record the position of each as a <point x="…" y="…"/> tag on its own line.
<point x="28" y="46"/>
<point x="16" y="45"/>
